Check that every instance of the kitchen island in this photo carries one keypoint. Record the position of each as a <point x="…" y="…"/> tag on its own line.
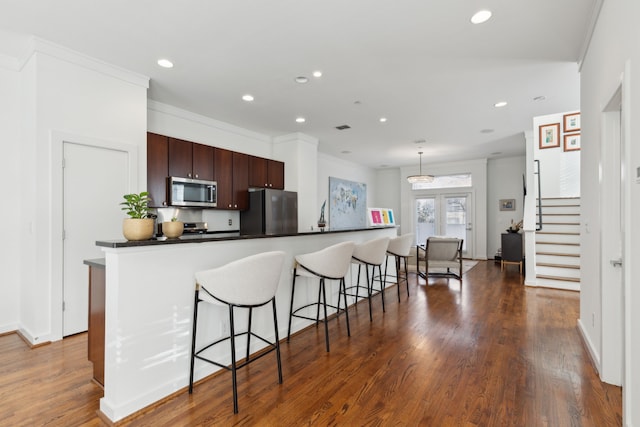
<point x="149" y="308"/>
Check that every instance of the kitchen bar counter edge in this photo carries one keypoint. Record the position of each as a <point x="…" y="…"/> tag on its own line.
<point x="203" y="238"/>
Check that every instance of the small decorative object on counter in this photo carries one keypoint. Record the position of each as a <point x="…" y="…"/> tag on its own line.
<point x="139" y="225"/>
<point x="173" y="228"/>
<point x="321" y="222"/>
<point x="515" y="226"/>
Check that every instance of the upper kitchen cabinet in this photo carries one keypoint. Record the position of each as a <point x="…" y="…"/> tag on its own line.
<point x="231" y="172"/>
<point x="266" y="173"/>
<point x="190" y="160"/>
<point x="202" y="162"/>
<point x="157" y="169"/>
<point x="241" y="181"/>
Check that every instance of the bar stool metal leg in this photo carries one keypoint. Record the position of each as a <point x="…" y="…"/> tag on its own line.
<point x="193" y="337"/>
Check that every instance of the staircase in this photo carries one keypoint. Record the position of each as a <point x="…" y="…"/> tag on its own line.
<point x="558" y="244"/>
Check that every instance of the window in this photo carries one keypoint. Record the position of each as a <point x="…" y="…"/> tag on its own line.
<point x="445" y="181"/>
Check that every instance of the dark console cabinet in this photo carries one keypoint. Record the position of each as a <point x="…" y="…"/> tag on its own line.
<point x="512" y="249"/>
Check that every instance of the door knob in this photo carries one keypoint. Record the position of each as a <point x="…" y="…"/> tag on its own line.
<point x="616" y="262"/>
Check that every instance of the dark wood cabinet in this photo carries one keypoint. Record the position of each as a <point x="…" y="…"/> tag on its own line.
<point x="512" y="249"/>
<point x="223" y="175"/>
<point x="276" y="174"/>
<point x="202" y="165"/>
<point x="231" y="171"/>
<point x="234" y="172"/>
<point x="190" y="160"/>
<point x="96" y="329"/>
<point x="157" y="169"/>
<point x="240" y="181"/>
<point x="180" y="158"/>
<point x="266" y="173"/>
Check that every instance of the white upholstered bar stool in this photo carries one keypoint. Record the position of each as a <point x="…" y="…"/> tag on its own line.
<point x="400" y="248"/>
<point x="247" y="283"/>
<point x="370" y="254"/>
<point x="331" y="263"/>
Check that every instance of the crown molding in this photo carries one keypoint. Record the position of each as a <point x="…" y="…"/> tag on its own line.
<point x="207" y="121"/>
<point x="595" y="13"/>
<point x="41" y="46"/>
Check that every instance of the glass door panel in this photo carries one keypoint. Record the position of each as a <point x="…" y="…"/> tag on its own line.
<point x="445" y="215"/>
<point x="425" y="219"/>
<point x="455" y="224"/>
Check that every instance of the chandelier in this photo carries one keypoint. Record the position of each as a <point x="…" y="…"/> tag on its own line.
<point x="420" y="179"/>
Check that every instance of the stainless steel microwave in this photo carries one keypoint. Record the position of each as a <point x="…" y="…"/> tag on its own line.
<point x="192" y="192"/>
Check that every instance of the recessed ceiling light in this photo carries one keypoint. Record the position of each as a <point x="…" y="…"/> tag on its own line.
<point x="165" y="63"/>
<point x="419" y="141"/>
<point x="301" y="79"/>
<point x="540" y="98"/>
<point x="346" y="152"/>
<point x="383" y="119"/>
<point x="486" y="131"/>
<point x="317" y="73"/>
<point x="300" y="119"/>
<point x="481" y="17"/>
<point x="500" y="104"/>
<point x="247" y="98"/>
<point x="495" y="153"/>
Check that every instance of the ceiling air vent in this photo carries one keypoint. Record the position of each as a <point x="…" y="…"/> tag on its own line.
<point x="343" y="127"/>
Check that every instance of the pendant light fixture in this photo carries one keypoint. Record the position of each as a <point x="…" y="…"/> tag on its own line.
<point x="420" y="179"/>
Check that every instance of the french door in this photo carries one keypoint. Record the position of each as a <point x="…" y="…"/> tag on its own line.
<point x="445" y="215"/>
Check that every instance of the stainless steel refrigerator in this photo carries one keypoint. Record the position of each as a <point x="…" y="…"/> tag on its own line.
<point x="270" y="212"/>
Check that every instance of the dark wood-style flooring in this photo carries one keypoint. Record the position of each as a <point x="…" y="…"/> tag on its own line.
<point x="488" y="353"/>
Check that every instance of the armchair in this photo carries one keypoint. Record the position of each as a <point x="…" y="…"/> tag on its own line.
<point x="442" y="254"/>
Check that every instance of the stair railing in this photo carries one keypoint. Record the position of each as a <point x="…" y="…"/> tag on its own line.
<point x="538" y="197"/>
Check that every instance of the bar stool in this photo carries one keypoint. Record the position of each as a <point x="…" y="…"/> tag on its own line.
<point x="369" y="254"/>
<point x="247" y="283"/>
<point x="400" y="248"/>
<point x="330" y="263"/>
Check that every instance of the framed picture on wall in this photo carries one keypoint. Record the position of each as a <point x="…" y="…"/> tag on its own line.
<point x="507" y="204"/>
<point x="572" y="142"/>
<point x="549" y="136"/>
<point x="571" y="122"/>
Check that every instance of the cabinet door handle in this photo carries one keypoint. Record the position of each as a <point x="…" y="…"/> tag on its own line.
<point x="189" y="175"/>
<point x="196" y="175"/>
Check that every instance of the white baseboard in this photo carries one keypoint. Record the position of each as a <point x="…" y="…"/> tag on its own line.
<point x="595" y="357"/>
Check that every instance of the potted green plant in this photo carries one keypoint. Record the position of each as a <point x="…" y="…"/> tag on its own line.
<point x="173" y="228"/>
<point x="139" y="226"/>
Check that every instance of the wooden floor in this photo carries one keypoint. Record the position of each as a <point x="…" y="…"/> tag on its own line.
<point x="488" y="353"/>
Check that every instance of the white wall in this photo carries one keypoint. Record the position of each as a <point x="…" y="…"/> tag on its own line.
<point x="329" y="166"/>
<point x="387" y="194"/>
<point x="504" y="181"/>
<point x="70" y="93"/>
<point x="560" y="170"/>
<point x="9" y="173"/>
<point x="613" y="57"/>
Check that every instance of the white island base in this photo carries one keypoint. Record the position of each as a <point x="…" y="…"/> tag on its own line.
<point x="149" y="310"/>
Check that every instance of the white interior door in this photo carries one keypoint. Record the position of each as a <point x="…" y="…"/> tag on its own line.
<point x="612" y="245"/>
<point x="445" y="215"/>
<point x="94" y="180"/>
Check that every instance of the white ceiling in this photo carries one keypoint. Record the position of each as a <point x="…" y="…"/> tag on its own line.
<point x="420" y="63"/>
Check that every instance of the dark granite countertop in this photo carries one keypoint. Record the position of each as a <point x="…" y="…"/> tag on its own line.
<point x="214" y="237"/>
